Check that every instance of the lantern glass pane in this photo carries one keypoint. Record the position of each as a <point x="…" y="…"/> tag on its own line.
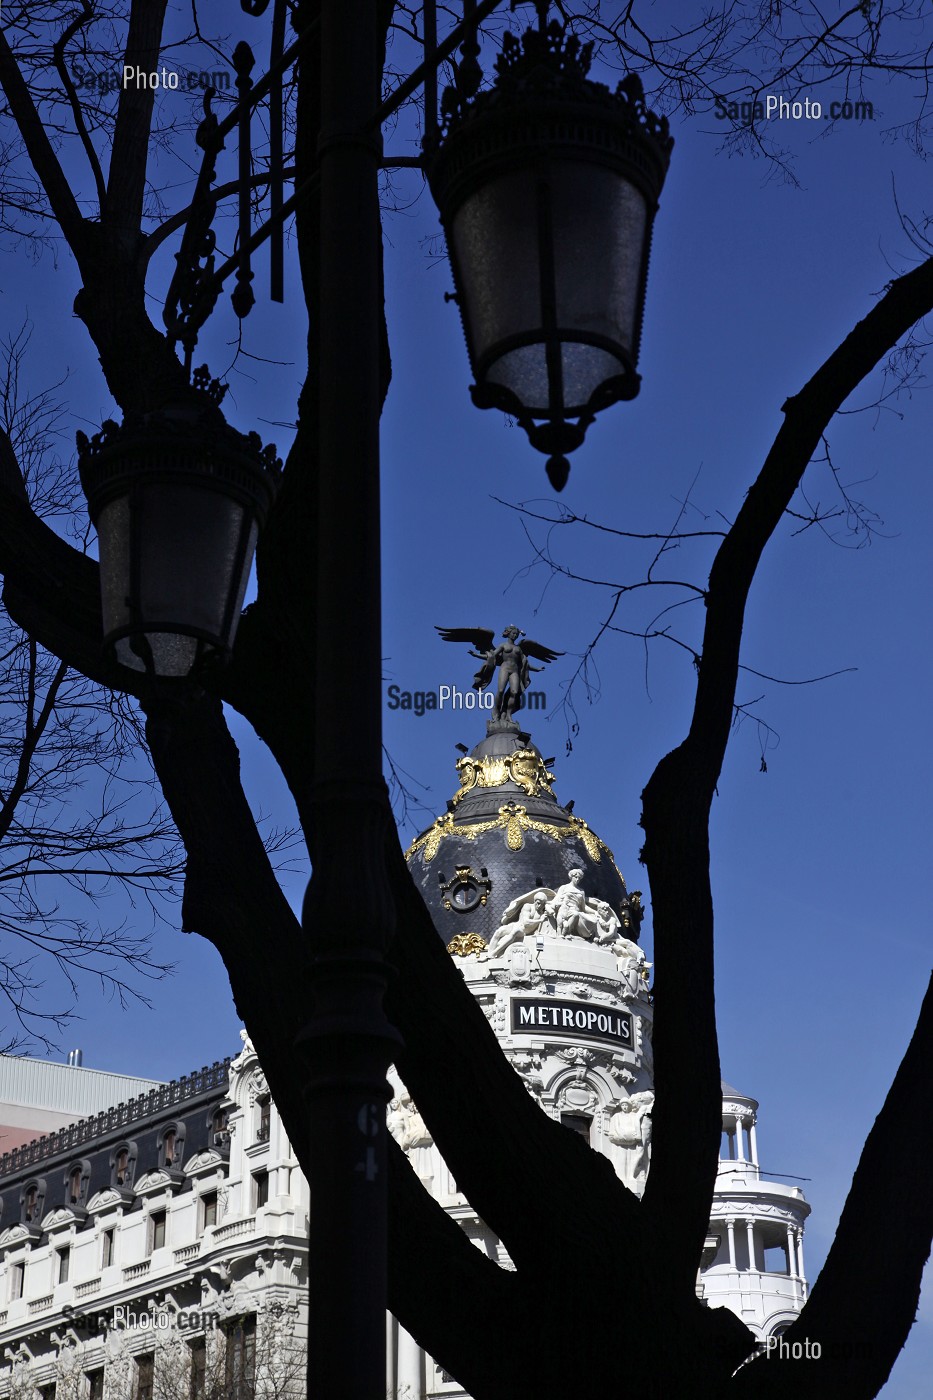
<point x="189" y="574"/>
<point x="113" y="546"/>
<point x="600" y="222"/>
<point x="189" y="564"/>
<point x="495" y="243"/>
<point x="524" y="372"/>
<point x="172" y="653"/>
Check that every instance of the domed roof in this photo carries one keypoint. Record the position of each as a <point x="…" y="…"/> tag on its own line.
<point x="504" y="834"/>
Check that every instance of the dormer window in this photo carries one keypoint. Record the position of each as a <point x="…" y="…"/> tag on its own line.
<point x="76" y="1182"/>
<point x="32" y="1202"/>
<point x="123" y="1165"/>
<point x="172" y="1145"/>
<point x="219" y="1124"/>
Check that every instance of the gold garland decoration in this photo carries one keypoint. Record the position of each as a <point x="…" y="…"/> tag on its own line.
<point x="514" y="820"/>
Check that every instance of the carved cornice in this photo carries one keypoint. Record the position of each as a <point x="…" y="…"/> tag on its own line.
<point x="110" y="1196"/>
<point x="203" y="1163"/>
<point x="162" y="1179"/>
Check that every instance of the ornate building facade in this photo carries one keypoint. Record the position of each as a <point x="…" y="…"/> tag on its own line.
<point x="157" y="1249"/>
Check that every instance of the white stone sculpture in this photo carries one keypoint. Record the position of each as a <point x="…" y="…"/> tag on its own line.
<point x="632" y="964"/>
<point x="630" y="1129"/>
<point x="608" y="924"/>
<point x="569" y="908"/>
<point x="525" y="915"/>
<point x="411" y="1133"/>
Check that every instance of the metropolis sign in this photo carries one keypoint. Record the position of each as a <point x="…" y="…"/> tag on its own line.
<point x="571" y="1018"/>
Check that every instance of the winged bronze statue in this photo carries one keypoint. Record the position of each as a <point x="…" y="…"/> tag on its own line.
<point x="512" y="658"/>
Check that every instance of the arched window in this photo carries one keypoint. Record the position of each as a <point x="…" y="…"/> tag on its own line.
<point x="172" y="1145"/>
<point x="218" y="1119"/>
<point x="76" y="1181"/>
<point x="32" y="1201"/>
<point x="123" y="1164"/>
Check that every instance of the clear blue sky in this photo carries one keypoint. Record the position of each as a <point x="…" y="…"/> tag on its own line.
<point x="821" y="864"/>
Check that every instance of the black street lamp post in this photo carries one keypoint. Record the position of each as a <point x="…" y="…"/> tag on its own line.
<point x="552" y="314"/>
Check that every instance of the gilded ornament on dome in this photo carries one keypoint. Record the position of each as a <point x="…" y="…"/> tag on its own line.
<point x="525" y="768"/>
<point x="513" y="818"/>
<point x="466" y="943"/>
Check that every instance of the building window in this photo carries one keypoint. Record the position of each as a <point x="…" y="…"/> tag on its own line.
<point x="219" y="1123"/>
<point x="32" y="1202"/>
<point x="260" y="1189"/>
<point x="157" y="1222"/>
<point x="123" y="1165"/>
<point x="106" y="1249"/>
<point x="46" y="1392"/>
<point x="145" y="1375"/>
<point x="208" y="1210"/>
<point x="198" y="1353"/>
<point x="17" y="1275"/>
<point x="76" y="1179"/>
<point x="265" y="1118"/>
<point x="578" y="1123"/>
<point x="240" y="1362"/>
<point x="171" y="1145"/>
<point x="64" y="1265"/>
<point x="95" y="1384"/>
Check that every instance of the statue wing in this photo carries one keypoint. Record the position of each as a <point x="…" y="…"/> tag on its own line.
<point x="539" y="652"/>
<point x="480" y="637"/>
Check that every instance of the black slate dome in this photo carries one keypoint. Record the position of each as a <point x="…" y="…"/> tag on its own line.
<point x="505" y="833"/>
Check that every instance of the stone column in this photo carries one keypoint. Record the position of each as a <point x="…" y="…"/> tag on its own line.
<point x="791" y="1252"/>
<point x="410" y="1367"/>
<point x="753" y="1142"/>
<point x="752" y="1259"/>
<point x="730" y="1230"/>
<point x="800" y="1269"/>
<point x="391" y="1358"/>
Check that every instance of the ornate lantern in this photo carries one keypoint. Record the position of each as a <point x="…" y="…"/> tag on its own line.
<point x="547" y="186"/>
<point x="177" y="498"/>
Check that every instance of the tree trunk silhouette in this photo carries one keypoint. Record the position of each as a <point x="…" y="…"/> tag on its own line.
<point x="603" y="1289"/>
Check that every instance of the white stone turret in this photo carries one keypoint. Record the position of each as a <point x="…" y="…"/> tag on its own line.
<point x="753" y="1260"/>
